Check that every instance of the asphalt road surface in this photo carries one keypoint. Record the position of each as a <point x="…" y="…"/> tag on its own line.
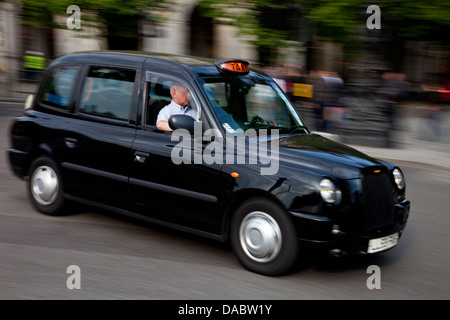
<point x="120" y="258"/>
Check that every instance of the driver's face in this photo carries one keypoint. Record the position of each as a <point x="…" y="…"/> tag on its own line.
<point x="181" y="96"/>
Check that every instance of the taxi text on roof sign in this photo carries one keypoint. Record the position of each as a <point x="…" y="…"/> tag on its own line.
<point x="233" y="66"/>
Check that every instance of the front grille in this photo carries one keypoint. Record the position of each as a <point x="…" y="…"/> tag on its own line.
<point x="378" y="199"/>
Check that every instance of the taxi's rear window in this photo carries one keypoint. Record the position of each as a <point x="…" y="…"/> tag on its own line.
<point x="108" y="92"/>
<point x="59" y="86"/>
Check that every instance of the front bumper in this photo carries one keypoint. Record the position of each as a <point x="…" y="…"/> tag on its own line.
<point x="343" y="236"/>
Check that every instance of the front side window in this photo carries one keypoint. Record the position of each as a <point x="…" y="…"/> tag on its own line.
<point x="159" y="95"/>
<point x="108" y="93"/>
<point x="59" y="86"/>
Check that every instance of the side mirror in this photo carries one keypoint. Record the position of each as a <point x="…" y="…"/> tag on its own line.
<point x="181" y="121"/>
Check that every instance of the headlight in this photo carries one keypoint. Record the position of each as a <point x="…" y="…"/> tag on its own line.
<point x="399" y="179"/>
<point x="329" y="192"/>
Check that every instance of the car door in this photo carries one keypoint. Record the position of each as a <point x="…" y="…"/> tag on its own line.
<point x="98" y="137"/>
<point x="183" y="194"/>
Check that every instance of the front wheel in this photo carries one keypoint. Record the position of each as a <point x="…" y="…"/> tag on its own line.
<point x="45" y="186"/>
<point x="263" y="237"/>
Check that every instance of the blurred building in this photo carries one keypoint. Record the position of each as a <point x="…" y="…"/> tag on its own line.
<point x="187" y="31"/>
<point x="9" y="23"/>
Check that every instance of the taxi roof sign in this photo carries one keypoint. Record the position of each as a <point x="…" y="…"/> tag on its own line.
<point x="233" y="66"/>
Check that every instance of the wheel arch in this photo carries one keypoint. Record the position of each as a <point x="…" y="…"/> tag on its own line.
<point x="238" y="199"/>
<point x="42" y="150"/>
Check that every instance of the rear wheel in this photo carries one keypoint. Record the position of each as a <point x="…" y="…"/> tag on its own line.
<point x="263" y="237"/>
<point x="45" y="186"/>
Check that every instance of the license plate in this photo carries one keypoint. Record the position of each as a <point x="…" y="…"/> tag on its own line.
<point x="383" y="243"/>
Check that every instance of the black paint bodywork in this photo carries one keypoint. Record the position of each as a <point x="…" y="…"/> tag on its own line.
<point x="102" y="170"/>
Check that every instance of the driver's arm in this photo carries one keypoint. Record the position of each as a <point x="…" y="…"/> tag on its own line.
<point x="163" y="125"/>
<point x="162" y="121"/>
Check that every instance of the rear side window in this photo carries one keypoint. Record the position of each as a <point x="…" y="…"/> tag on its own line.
<point x="107" y="93"/>
<point x="59" y="86"/>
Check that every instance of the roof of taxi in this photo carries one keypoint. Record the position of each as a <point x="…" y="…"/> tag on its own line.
<point x="189" y="61"/>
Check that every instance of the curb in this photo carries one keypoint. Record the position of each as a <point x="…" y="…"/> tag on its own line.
<point x="426" y="157"/>
<point x="416" y="157"/>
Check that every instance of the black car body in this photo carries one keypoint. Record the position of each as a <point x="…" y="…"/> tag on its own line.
<point x="90" y="135"/>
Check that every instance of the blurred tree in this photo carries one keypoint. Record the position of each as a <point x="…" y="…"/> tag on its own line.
<point x="418" y="19"/>
<point x="401" y="20"/>
<point x="119" y="18"/>
<point x="269" y="23"/>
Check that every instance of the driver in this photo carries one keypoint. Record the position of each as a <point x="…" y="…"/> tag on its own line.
<point x="179" y="105"/>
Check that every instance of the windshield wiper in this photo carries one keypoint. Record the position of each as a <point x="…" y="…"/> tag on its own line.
<point x="301" y="129"/>
<point x="269" y="126"/>
<point x="291" y="130"/>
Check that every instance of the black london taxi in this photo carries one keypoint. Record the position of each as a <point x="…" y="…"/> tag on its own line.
<point x="245" y="169"/>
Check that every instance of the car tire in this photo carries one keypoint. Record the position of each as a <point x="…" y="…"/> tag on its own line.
<point x="45" y="186"/>
<point x="263" y="237"/>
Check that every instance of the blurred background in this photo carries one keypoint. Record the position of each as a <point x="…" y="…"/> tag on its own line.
<point x="368" y="77"/>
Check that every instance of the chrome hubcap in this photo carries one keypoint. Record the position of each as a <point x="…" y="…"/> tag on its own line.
<point x="44" y="185"/>
<point x="260" y="236"/>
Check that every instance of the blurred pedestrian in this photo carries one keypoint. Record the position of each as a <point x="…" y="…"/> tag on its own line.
<point x="315" y="79"/>
<point x="34" y="65"/>
<point x="327" y="93"/>
<point x="430" y="114"/>
<point x="392" y="91"/>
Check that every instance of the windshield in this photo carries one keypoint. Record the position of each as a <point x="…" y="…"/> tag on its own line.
<point x="250" y="102"/>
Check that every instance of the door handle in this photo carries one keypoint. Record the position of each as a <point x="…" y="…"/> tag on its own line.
<point x="141" y="156"/>
<point x="71" y="142"/>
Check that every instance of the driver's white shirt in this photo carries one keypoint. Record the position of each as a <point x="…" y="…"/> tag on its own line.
<point x="174" y="108"/>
